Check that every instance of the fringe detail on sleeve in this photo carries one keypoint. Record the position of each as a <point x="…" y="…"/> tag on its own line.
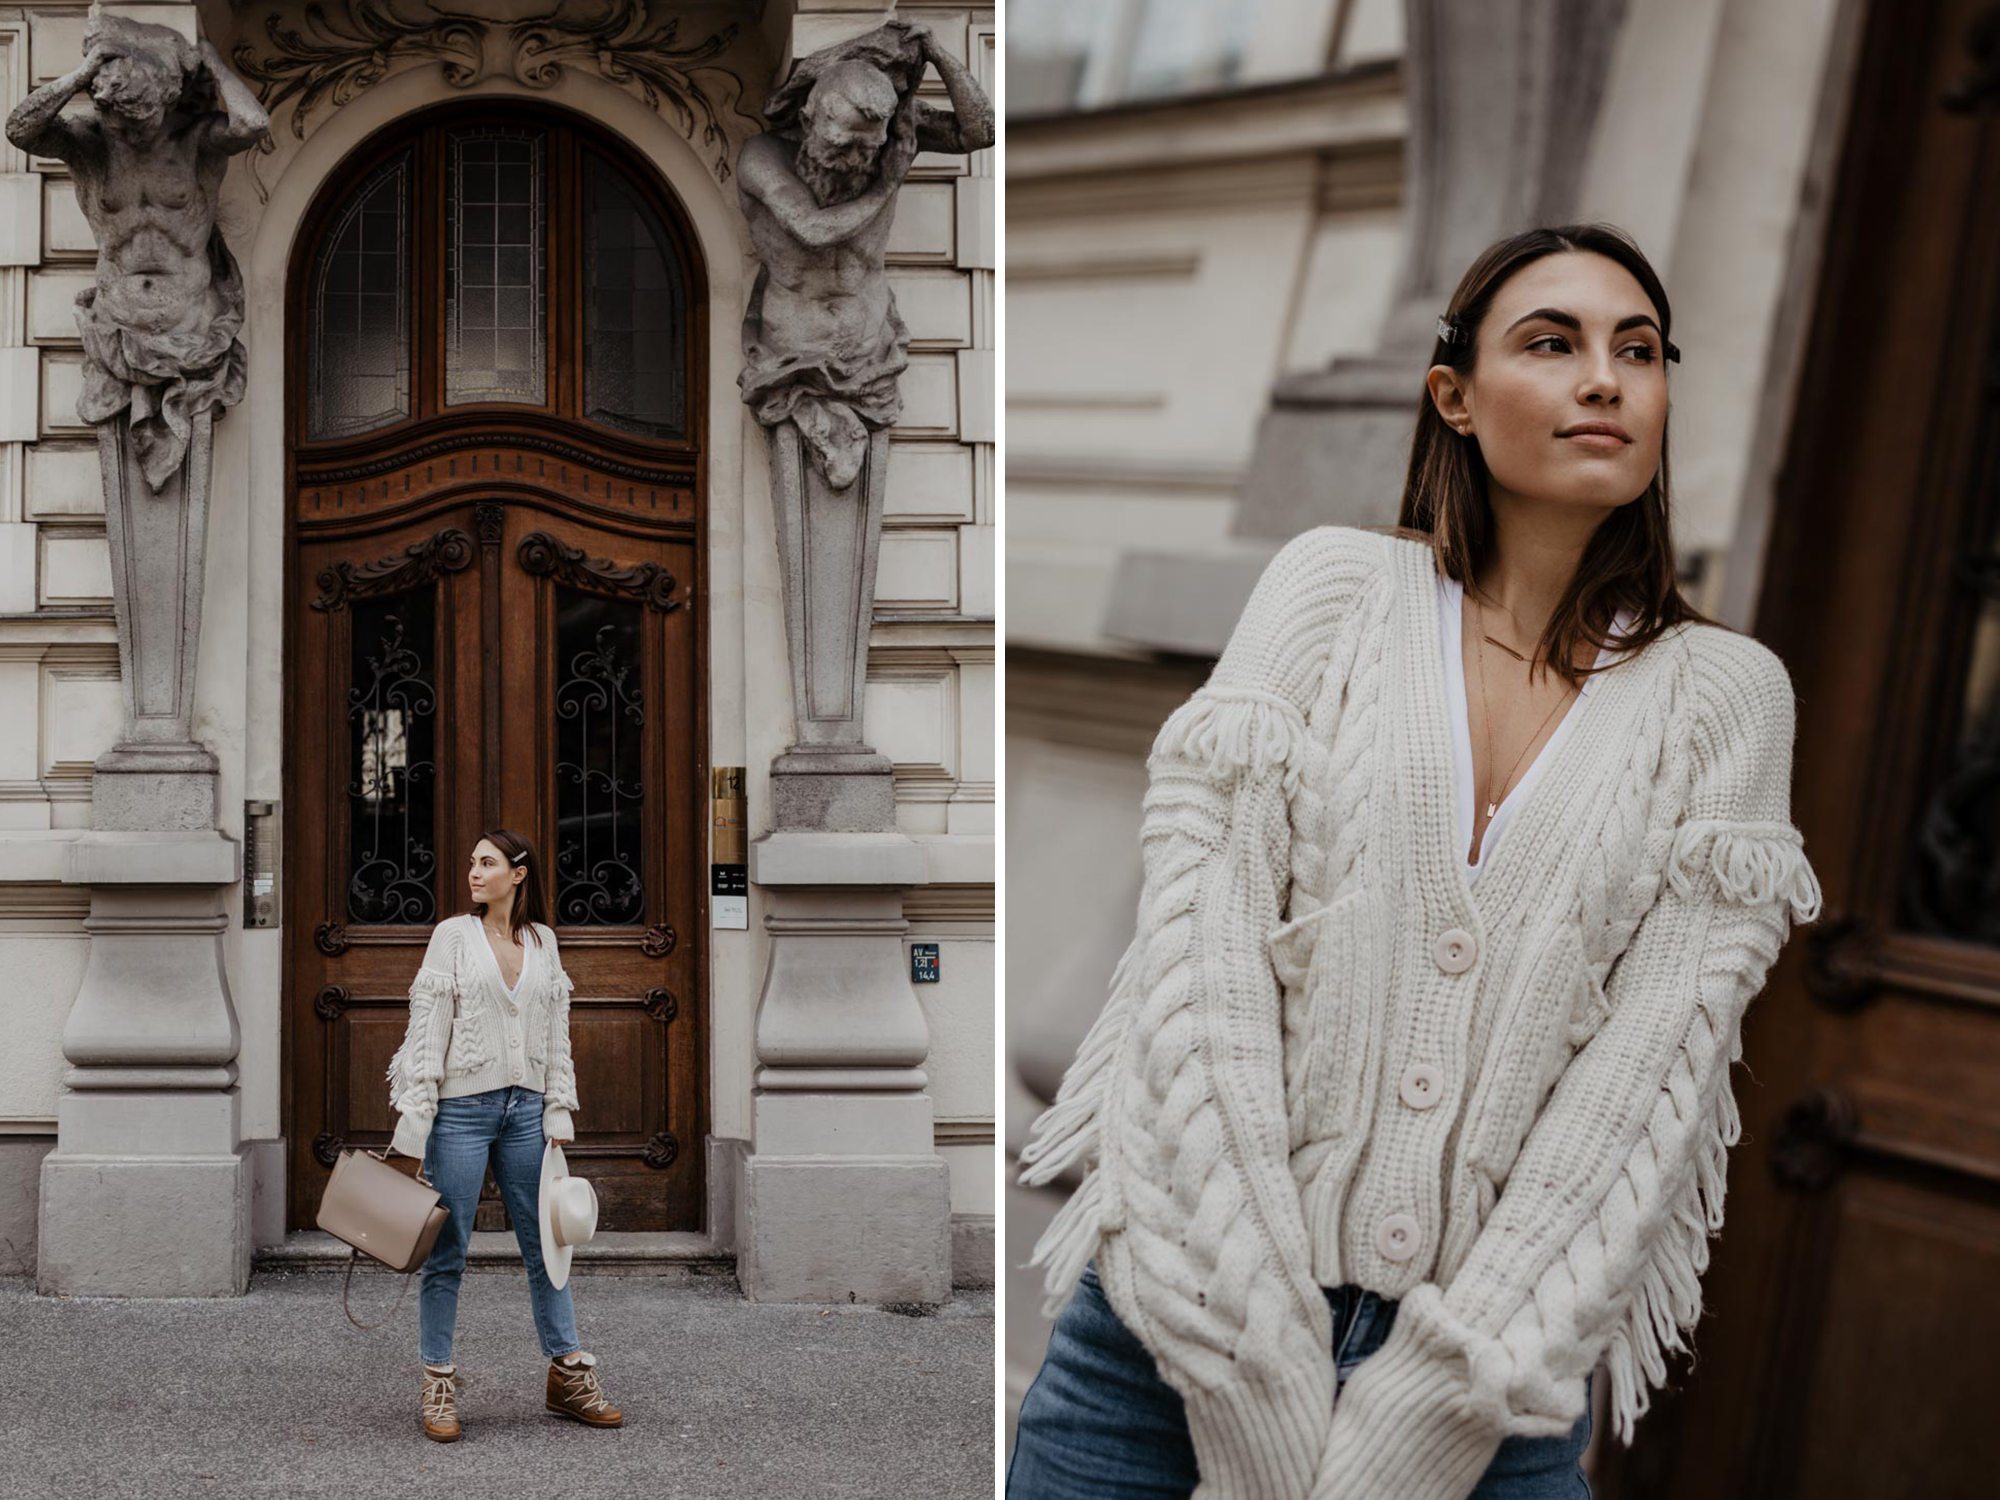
<point x="1230" y="730"/>
<point x="1667" y="1300"/>
<point x="559" y="1072"/>
<point x="418" y="1066"/>
<point x="1070" y="1240"/>
<point x="1067" y="1130"/>
<point x="1753" y="863"/>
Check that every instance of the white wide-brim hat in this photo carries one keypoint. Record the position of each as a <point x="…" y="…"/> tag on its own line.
<point x="569" y="1213"/>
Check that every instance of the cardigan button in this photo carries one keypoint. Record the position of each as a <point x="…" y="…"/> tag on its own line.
<point x="1421" y="1086"/>
<point x="1454" y="950"/>
<point x="1396" y="1237"/>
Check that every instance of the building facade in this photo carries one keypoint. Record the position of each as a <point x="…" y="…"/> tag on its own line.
<point x="492" y="538"/>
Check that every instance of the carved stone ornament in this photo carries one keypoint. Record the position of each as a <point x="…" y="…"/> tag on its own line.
<point x="160" y="324"/>
<point x="823" y="352"/>
<point x="343" y="48"/>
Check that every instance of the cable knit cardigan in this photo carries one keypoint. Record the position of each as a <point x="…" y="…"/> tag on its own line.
<point x="1327" y="1058"/>
<point x="466" y="1035"/>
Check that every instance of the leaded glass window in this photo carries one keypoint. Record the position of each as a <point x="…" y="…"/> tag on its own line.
<point x="599" y="785"/>
<point x="496" y="320"/>
<point x="392" y="765"/>
<point x="360" y="373"/>
<point x="635" y="314"/>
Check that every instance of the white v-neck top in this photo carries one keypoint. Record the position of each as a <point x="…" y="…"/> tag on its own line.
<point x="513" y="992"/>
<point x="1451" y="611"/>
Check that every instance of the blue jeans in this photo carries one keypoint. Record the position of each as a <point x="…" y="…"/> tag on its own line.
<point x="1098" y="1422"/>
<point x="502" y="1127"/>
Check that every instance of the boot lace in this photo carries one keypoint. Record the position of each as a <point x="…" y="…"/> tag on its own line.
<point x="440" y="1399"/>
<point x="580" y="1386"/>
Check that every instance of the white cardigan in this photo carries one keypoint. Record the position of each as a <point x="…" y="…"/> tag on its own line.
<point x="467" y="1034"/>
<point x="1329" y="1057"/>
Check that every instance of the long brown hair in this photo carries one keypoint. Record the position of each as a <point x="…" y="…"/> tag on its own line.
<point x="528" y="903"/>
<point x="1629" y="561"/>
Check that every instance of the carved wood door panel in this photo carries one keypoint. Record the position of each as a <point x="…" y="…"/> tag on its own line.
<point x="495" y="619"/>
<point x="1850" y="1318"/>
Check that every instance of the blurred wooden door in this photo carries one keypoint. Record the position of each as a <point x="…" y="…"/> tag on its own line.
<point x="1852" y="1314"/>
<point x="494" y="620"/>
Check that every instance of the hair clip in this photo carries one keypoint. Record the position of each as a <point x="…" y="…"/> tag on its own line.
<point x="1449" y="331"/>
<point x="518" y="858"/>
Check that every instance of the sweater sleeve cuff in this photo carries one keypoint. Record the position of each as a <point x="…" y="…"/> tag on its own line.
<point x="1423" y="1416"/>
<point x="412" y="1135"/>
<point x="556" y="1124"/>
<point x="1261" y="1438"/>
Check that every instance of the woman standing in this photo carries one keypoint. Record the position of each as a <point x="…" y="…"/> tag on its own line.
<point x="1411" y="1099"/>
<point x="483" y="1078"/>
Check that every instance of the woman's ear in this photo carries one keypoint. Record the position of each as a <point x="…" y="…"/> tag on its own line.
<point x="1448" y="395"/>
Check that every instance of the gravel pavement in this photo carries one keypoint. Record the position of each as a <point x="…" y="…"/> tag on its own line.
<point x="276" y="1394"/>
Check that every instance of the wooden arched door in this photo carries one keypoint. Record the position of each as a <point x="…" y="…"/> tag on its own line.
<point x="495" y="617"/>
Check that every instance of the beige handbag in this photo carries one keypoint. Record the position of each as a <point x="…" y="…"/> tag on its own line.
<point x="383" y="1214"/>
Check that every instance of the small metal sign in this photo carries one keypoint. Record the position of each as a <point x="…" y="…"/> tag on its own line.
<point x="923" y="963"/>
<point x="729" y="883"/>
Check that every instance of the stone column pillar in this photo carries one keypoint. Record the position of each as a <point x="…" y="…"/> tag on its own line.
<point x="1502" y="99"/>
<point x="148" y="1190"/>
<point x="844" y="1196"/>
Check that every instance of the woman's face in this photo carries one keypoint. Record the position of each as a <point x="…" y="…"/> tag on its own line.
<point x="491" y="877"/>
<point x="1536" y="374"/>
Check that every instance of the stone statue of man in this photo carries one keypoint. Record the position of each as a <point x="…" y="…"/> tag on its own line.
<point x="160" y="326"/>
<point x="822" y="342"/>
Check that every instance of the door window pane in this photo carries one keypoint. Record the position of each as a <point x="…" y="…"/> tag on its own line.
<point x="392" y="766"/>
<point x="359" y="376"/>
<point x="635" y="372"/>
<point x="496" y="342"/>
<point x="599" y="796"/>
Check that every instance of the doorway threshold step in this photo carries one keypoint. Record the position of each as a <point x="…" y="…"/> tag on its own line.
<point x="627" y="1252"/>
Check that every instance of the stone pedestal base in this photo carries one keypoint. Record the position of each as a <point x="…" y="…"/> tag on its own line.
<point x="833" y="789"/>
<point x="169" y="788"/>
<point x="844" y="1197"/>
<point x="845" y="1229"/>
<point x="126" y="1226"/>
<point x="149" y="1190"/>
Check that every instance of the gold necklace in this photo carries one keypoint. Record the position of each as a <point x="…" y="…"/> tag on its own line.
<point x="1492" y="805"/>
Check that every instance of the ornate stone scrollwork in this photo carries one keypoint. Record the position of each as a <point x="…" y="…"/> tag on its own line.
<point x="649" y="583"/>
<point x="446" y="552"/>
<point x="341" y="49"/>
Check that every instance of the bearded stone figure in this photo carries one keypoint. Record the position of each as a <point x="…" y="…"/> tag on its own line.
<point x="823" y="344"/>
<point x="160" y="326"/>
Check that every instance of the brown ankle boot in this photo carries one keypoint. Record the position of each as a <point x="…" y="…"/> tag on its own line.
<point x="440" y="1403"/>
<point x="574" y="1392"/>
